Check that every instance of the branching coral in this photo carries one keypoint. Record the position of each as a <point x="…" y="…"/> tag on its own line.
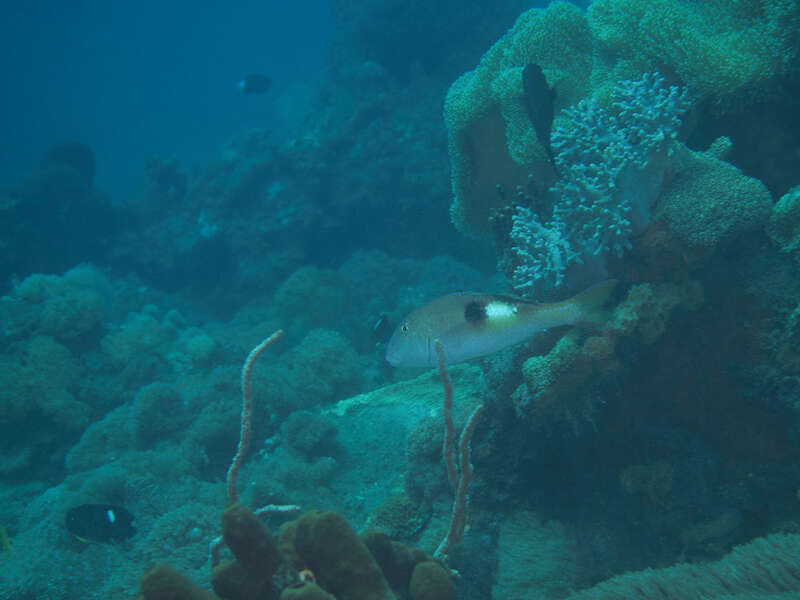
<point x="612" y="166"/>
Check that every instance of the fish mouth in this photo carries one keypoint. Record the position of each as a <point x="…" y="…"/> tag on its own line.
<point x="391" y="358"/>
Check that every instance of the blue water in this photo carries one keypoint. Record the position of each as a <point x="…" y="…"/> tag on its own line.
<point x="613" y="183"/>
<point x="143" y="78"/>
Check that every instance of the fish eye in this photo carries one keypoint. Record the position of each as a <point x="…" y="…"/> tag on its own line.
<point x="404" y="328"/>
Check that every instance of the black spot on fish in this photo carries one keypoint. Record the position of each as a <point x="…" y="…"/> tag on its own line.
<point x="539" y="103"/>
<point x="475" y="312"/>
<point x="99" y="523"/>
<point x="255" y="83"/>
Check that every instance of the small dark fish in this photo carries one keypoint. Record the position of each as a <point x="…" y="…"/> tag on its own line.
<point x="100" y="523"/>
<point x="539" y="103"/>
<point x="382" y="330"/>
<point x="255" y="83"/>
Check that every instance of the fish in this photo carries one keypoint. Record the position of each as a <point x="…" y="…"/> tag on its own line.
<point x="471" y="325"/>
<point x="539" y="99"/>
<point x="382" y="330"/>
<point x="255" y="83"/>
<point x="101" y="523"/>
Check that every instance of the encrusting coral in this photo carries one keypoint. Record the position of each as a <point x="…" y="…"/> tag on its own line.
<point x="566" y="383"/>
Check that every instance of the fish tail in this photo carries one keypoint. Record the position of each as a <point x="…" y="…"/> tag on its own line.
<point x="590" y="302"/>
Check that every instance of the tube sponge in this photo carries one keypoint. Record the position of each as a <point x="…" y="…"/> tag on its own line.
<point x="341" y="562"/>
<point x="257" y="557"/>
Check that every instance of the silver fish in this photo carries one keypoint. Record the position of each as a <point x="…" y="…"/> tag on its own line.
<point x="470" y="325"/>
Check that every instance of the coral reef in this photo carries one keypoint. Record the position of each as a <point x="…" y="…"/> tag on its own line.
<point x="568" y="382"/>
<point x="493" y="147"/>
<point x="666" y="435"/>
<point x="491" y="141"/>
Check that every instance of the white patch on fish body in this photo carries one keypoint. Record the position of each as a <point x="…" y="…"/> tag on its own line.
<point x="497" y="309"/>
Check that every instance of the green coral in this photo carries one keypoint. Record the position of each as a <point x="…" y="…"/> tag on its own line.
<point x="719" y="48"/>
<point x="709" y="201"/>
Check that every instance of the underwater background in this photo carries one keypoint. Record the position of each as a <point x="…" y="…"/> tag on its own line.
<point x="158" y="220"/>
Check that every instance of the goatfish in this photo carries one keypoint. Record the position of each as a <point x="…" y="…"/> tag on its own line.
<point x="470" y="325"/>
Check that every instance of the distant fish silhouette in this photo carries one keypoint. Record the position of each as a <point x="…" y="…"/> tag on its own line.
<point x="255" y="83"/>
<point x="539" y="102"/>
